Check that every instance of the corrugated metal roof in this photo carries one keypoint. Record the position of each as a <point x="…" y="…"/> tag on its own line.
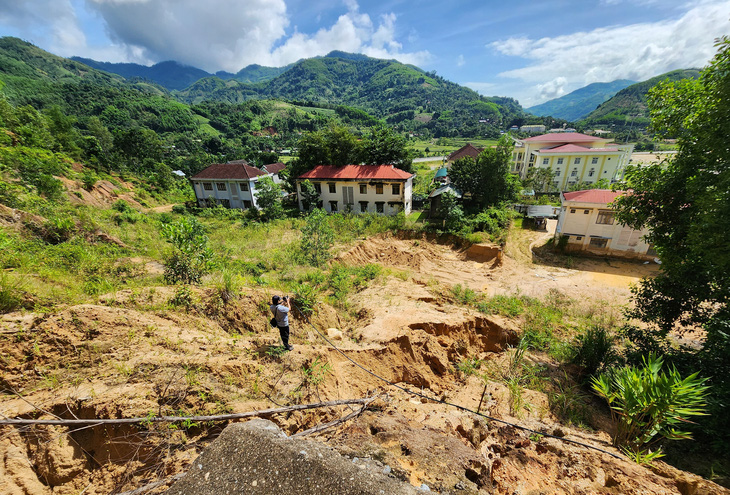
<point x="542" y="211"/>
<point x="356" y="172"/>
<point x="229" y="171"/>
<point x="599" y="196"/>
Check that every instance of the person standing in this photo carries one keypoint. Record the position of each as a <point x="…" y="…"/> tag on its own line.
<point x="280" y="307"/>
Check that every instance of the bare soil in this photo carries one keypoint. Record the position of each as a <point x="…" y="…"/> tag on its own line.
<point x="133" y="355"/>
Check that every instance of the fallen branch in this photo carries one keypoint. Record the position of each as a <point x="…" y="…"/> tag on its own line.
<point x="153" y="485"/>
<point x="336" y="422"/>
<point x="172" y="419"/>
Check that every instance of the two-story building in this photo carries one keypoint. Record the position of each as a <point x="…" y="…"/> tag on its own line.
<point x="588" y="222"/>
<point x="571" y="157"/>
<point x="380" y="189"/>
<point x="231" y="184"/>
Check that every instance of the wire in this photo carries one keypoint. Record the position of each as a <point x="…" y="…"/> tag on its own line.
<point x="451" y="404"/>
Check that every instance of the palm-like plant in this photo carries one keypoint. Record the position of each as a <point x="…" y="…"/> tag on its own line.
<point x="649" y="405"/>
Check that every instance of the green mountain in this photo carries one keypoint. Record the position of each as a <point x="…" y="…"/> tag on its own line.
<point x="628" y="107"/>
<point x="576" y="105"/>
<point x="170" y="75"/>
<point x="175" y="76"/>
<point x="401" y="94"/>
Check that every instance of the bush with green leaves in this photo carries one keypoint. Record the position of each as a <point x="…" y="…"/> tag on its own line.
<point x="317" y="237"/>
<point x="191" y="257"/>
<point x="649" y="405"/>
<point x="268" y="199"/>
<point x="594" y="350"/>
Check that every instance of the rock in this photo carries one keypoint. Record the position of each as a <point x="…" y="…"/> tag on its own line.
<point x="257" y="458"/>
<point x="334" y="334"/>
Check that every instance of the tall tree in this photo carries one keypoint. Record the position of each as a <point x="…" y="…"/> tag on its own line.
<point x="268" y="198"/>
<point x="487" y="180"/>
<point x="686" y="203"/>
<point x="383" y="146"/>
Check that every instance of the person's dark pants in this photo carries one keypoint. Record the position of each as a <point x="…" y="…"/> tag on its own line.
<point x="284" y="332"/>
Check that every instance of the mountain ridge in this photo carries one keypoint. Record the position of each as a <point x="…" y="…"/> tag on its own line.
<point x="579" y="103"/>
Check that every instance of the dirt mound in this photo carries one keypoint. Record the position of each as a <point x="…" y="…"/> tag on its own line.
<point x="135" y="354"/>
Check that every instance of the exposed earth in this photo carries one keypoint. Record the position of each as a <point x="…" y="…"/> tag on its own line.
<point x="132" y="354"/>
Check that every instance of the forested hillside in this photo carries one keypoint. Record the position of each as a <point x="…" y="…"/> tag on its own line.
<point x="405" y="96"/>
<point x="628" y="108"/>
<point x="581" y="102"/>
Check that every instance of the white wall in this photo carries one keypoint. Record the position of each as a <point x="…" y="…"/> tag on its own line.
<point x="403" y="198"/>
<point x="233" y="192"/>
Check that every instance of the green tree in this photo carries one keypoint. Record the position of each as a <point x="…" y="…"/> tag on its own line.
<point x="268" y="199"/>
<point x="191" y="257"/>
<point x="317" y="237"/>
<point x="452" y="213"/>
<point x="383" y="146"/>
<point x="309" y="196"/>
<point x="686" y="203"/>
<point x="539" y="179"/>
<point x="487" y="180"/>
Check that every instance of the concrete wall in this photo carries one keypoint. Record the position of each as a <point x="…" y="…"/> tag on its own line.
<point x="233" y="192"/>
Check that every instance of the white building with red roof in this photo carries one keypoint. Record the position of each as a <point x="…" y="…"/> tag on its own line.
<point x="380" y="189"/>
<point x="572" y="158"/>
<point x="588" y="223"/>
<point x="231" y="184"/>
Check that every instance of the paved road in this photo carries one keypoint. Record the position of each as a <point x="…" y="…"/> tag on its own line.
<point x="429" y="159"/>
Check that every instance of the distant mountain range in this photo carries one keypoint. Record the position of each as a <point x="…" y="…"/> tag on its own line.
<point x="576" y="105"/>
<point x="629" y="106"/>
<point x="176" y="76"/>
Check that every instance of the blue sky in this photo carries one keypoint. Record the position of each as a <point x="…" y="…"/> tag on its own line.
<point x="529" y="50"/>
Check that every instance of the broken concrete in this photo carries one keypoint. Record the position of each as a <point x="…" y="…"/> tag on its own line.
<point x="256" y="457"/>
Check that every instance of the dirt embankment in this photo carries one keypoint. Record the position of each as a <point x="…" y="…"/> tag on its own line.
<point x="134" y="355"/>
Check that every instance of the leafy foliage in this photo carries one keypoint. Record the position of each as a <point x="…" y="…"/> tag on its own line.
<point x="649" y="405"/>
<point x="268" y="199"/>
<point x="317" y="237"/>
<point x="191" y="258"/>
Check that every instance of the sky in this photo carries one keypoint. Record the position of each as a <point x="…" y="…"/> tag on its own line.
<point x="532" y="51"/>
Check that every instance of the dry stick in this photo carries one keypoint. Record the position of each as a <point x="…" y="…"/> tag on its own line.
<point x="150" y="486"/>
<point x="170" y="419"/>
<point x="336" y="422"/>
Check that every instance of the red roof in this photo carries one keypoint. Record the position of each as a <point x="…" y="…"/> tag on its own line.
<point x="574" y="148"/>
<point x="229" y="171"/>
<point x="563" y="137"/>
<point x="274" y="168"/>
<point x="356" y="172"/>
<point x="600" y="196"/>
<point x="467" y="150"/>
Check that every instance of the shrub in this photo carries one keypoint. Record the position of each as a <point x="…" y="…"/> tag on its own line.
<point x="317" y="238"/>
<point x="594" y="350"/>
<point x="191" y="258"/>
<point x="306" y="298"/>
<point x="11" y="295"/>
<point x="648" y="405"/>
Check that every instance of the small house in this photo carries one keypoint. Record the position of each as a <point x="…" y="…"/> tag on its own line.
<point x="232" y="185"/>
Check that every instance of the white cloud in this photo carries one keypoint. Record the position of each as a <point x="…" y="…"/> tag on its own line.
<point x="212" y="34"/>
<point x="636" y="51"/>
<point x="460" y="61"/>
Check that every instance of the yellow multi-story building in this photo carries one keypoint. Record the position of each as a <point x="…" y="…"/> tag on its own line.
<point x="571" y="157"/>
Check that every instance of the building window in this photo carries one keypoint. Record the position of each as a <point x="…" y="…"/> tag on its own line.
<point x="379" y="206"/>
<point x="557" y="172"/>
<point x="579" y="238"/>
<point x="591" y="172"/>
<point x="532" y="158"/>
<point x="363" y="188"/>
<point x="244" y="187"/>
<point x="574" y="173"/>
<point x="545" y="161"/>
<point x="396" y="188"/>
<point x="572" y="210"/>
<point x="221" y="186"/>
<point x="594" y="160"/>
<point x="318" y="187"/>
<point x="586" y="212"/>
<point x="599" y="243"/>
<point x="207" y="186"/>
<point x="605" y="217"/>
<point x="226" y="203"/>
<point x="576" y="161"/>
<point x="378" y="188"/>
<point x="333" y="206"/>
<point x="560" y="161"/>
<point x="333" y="188"/>
<point x="363" y="206"/>
<point x="246" y="204"/>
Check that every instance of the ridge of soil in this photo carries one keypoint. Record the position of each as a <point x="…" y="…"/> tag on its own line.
<point x="131" y="354"/>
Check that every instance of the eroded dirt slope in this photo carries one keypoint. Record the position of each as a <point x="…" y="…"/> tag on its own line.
<point x="134" y="355"/>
